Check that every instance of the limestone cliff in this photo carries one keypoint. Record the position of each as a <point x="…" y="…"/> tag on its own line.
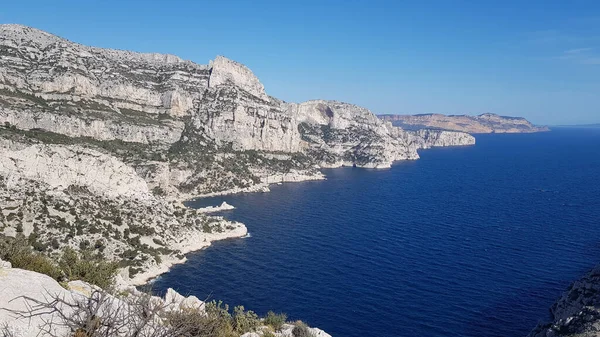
<point x="59" y="86"/>
<point x="484" y="123"/>
<point x="100" y="146"/>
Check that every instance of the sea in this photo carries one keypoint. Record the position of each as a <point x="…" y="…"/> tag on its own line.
<point x="467" y="241"/>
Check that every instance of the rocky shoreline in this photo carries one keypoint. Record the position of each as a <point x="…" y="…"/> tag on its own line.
<point x="100" y="148"/>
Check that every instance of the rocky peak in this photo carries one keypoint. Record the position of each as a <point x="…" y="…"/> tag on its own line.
<point x="226" y="71"/>
<point x="28" y="35"/>
<point x="19" y="35"/>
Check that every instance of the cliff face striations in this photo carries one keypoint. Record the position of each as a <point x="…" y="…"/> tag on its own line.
<point x="108" y="142"/>
<point x="485" y="123"/>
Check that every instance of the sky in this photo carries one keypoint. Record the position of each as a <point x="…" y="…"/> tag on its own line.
<point x="536" y="59"/>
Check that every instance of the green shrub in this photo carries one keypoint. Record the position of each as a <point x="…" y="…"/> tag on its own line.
<point x="88" y="268"/>
<point x="301" y="330"/>
<point x="18" y="252"/>
<point x="244" y="321"/>
<point x="215" y="323"/>
<point x="274" y="320"/>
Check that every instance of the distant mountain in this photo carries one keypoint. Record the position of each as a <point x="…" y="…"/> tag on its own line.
<point x="485" y="123"/>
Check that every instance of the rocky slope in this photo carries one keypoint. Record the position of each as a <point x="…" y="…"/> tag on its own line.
<point x="98" y="147"/>
<point x="485" y="123"/>
<point x="577" y="312"/>
<point x="21" y="316"/>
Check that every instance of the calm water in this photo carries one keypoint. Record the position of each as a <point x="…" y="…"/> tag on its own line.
<point x="473" y="241"/>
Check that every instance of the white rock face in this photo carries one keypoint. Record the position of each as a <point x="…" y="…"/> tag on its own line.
<point x="213" y="209"/>
<point x="62" y="166"/>
<point x="5" y="264"/>
<point x="226" y="71"/>
<point x="227" y="102"/>
<point x="63" y="70"/>
<point x="16" y="285"/>
<point x="101" y="129"/>
<point x="229" y="114"/>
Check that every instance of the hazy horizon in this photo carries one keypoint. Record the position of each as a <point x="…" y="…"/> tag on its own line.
<point x="537" y="60"/>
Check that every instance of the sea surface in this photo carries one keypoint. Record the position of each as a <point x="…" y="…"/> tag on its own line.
<point x="467" y="241"/>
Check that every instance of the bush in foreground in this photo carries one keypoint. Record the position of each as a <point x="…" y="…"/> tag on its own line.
<point x="301" y="330"/>
<point x="274" y="320"/>
<point x="18" y="252"/>
<point x="88" y="268"/>
<point x="71" y="266"/>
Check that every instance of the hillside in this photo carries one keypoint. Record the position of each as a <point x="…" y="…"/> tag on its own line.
<point x="485" y="123"/>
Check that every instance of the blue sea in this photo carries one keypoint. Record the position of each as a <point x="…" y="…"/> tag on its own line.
<point x="467" y="241"/>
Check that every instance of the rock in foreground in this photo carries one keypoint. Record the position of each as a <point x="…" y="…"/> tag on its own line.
<point x="34" y="304"/>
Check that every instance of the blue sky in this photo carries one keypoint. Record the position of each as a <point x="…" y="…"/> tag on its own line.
<point x="537" y="59"/>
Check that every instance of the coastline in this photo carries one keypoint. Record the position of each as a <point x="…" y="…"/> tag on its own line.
<point x="263" y="186"/>
<point x="147" y="276"/>
<point x="189" y="244"/>
<point x="196" y="241"/>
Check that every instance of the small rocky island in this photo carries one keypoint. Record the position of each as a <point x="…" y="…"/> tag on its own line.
<point x="484" y="123"/>
<point x="99" y="148"/>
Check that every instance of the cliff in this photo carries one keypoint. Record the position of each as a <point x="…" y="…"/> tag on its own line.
<point x="577" y="312"/>
<point x="485" y="123"/>
<point x="101" y="146"/>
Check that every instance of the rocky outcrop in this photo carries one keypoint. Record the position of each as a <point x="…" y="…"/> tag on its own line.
<point x="342" y="134"/>
<point x="428" y="138"/>
<point x="485" y="123"/>
<point x="54" y="69"/>
<point x="577" y="312"/>
<point x="121" y="127"/>
<point x="26" y="308"/>
<point x="60" y="166"/>
<point x="224" y="71"/>
<point x="224" y="206"/>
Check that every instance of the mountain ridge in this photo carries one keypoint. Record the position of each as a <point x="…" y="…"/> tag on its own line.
<point x="482" y="123"/>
